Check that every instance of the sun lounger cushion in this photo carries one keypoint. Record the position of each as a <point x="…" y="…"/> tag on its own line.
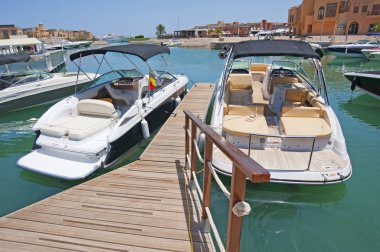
<point x="244" y="125"/>
<point x="240" y="81"/>
<point x="245" y="110"/>
<point x="310" y="112"/>
<point x="301" y="126"/>
<point x="96" y="108"/>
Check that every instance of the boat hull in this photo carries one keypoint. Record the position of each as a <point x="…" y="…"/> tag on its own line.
<point x="367" y="81"/>
<point x="34" y="99"/>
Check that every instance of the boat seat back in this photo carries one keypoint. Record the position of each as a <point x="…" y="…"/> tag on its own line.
<point x="96" y="108"/>
<point x="309" y="112"/>
<point x="246" y="110"/>
<point x="259" y="67"/>
<point x="239" y="88"/>
<point x="280" y="80"/>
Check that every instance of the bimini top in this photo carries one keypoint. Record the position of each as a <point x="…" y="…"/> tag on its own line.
<point x="143" y="51"/>
<point x="13" y="58"/>
<point x="273" y="48"/>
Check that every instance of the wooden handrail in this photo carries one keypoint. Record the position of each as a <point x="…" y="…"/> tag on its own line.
<point x="251" y="169"/>
<point x="242" y="167"/>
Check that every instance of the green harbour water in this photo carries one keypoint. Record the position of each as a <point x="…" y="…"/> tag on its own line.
<point x="341" y="217"/>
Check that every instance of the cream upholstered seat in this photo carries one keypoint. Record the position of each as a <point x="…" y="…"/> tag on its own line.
<point x="239" y="89"/>
<point x="246" y="110"/>
<point x="93" y="116"/>
<point x="244" y="125"/>
<point x="280" y="80"/>
<point x="258" y="71"/>
<point x="304" y="121"/>
<point x="304" y="126"/>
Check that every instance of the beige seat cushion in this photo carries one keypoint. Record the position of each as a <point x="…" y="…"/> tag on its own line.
<point x="240" y="96"/>
<point x="301" y="126"/>
<point x="258" y="96"/>
<point x="76" y="128"/>
<point x="281" y="80"/>
<point x="96" y="108"/>
<point x="296" y="95"/>
<point x="245" y="125"/>
<point x="259" y="67"/>
<point x="240" y="81"/>
<point x="310" y="112"/>
<point x="245" y="110"/>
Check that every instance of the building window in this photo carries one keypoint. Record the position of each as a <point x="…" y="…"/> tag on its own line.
<point x="353" y="28"/>
<point x="356" y="9"/>
<point x="342" y="7"/>
<point x="365" y="8"/>
<point x="331" y="9"/>
<point x="375" y="10"/>
<point x="321" y="13"/>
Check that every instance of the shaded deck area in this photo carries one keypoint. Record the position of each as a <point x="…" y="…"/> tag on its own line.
<point x="144" y="206"/>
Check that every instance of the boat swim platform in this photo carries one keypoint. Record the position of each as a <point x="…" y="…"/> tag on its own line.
<point x="143" y="206"/>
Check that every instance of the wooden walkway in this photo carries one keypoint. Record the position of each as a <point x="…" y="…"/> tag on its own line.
<point x="144" y="206"/>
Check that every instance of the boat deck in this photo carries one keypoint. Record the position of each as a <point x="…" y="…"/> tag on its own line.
<point x="143" y="206"/>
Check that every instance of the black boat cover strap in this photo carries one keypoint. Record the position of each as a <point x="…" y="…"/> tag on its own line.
<point x="273" y="48"/>
<point x="143" y="51"/>
<point x="13" y="58"/>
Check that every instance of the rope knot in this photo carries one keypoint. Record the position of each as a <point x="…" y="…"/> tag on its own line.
<point x="241" y="209"/>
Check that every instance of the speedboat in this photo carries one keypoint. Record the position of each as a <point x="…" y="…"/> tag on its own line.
<point x="96" y="126"/>
<point x="369" y="81"/>
<point x="22" y="87"/>
<point x="372" y="54"/>
<point x="278" y="115"/>
<point x="354" y="49"/>
<point x="173" y="43"/>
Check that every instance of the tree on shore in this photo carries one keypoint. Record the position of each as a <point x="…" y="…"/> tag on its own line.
<point x="376" y="28"/>
<point x="160" y="30"/>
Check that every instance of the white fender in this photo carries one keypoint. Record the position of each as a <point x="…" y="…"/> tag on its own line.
<point x="145" y="128"/>
<point x="177" y="101"/>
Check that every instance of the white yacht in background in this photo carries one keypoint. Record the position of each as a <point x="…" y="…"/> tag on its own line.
<point x="29" y="87"/>
<point x="96" y="126"/>
<point x="372" y="54"/>
<point x="354" y="49"/>
<point x="278" y="115"/>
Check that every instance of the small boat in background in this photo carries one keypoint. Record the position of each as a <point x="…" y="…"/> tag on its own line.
<point x="29" y="87"/>
<point x="372" y="54"/>
<point x="354" y="49"/>
<point x="173" y="43"/>
<point x="369" y="81"/>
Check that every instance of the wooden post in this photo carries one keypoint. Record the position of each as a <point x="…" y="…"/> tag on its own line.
<point x="193" y="151"/>
<point x="207" y="177"/>
<point x="186" y="137"/>
<point x="238" y="181"/>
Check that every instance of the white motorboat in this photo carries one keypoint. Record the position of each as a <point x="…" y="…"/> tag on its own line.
<point x="369" y="81"/>
<point x="354" y="49"/>
<point x="278" y="115"/>
<point x="173" y="43"/>
<point x="96" y="126"/>
<point x="29" y="87"/>
<point x="372" y="54"/>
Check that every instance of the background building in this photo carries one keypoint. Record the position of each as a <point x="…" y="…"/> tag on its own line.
<point x="41" y="32"/>
<point x="332" y="17"/>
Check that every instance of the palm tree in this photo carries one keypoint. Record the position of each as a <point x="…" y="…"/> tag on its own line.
<point x="160" y="30"/>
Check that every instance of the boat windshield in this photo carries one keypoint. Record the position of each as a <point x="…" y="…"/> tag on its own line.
<point x="112" y="76"/>
<point x="297" y="70"/>
<point x="20" y="78"/>
<point x="164" y="78"/>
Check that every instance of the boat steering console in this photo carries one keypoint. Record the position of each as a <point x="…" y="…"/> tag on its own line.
<point x="281" y="72"/>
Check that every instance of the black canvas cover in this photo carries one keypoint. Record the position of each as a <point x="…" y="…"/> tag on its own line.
<point x="273" y="48"/>
<point x="13" y="58"/>
<point x="143" y="51"/>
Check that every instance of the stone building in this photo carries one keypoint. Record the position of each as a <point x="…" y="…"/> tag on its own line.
<point x="9" y="30"/>
<point x="333" y="17"/>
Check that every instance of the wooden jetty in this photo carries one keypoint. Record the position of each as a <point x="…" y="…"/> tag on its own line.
<point x="148" y="205"/>
<point x="143" y="206"/>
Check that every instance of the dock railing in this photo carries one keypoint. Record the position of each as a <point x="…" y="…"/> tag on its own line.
<point x="243" y="167"/>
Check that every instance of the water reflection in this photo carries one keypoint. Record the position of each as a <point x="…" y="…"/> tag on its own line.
<point x="365" y="108"/>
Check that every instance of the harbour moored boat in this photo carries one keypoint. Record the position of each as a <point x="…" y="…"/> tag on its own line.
<point x="279" y="116"/>
<point x="96" y="126"/>
<point x="354" y="49"/>
<point x="369" y="81"/>
<point x="30" y="87"/>
<point x="372" y="54"/>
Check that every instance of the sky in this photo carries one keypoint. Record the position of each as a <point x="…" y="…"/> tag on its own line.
<point x="136" y="17"/>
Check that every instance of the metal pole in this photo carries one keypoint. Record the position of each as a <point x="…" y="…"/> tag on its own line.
<point x="311" y="154"/>
<point x="249" y="145"/>
<point x="76" y="82"/>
